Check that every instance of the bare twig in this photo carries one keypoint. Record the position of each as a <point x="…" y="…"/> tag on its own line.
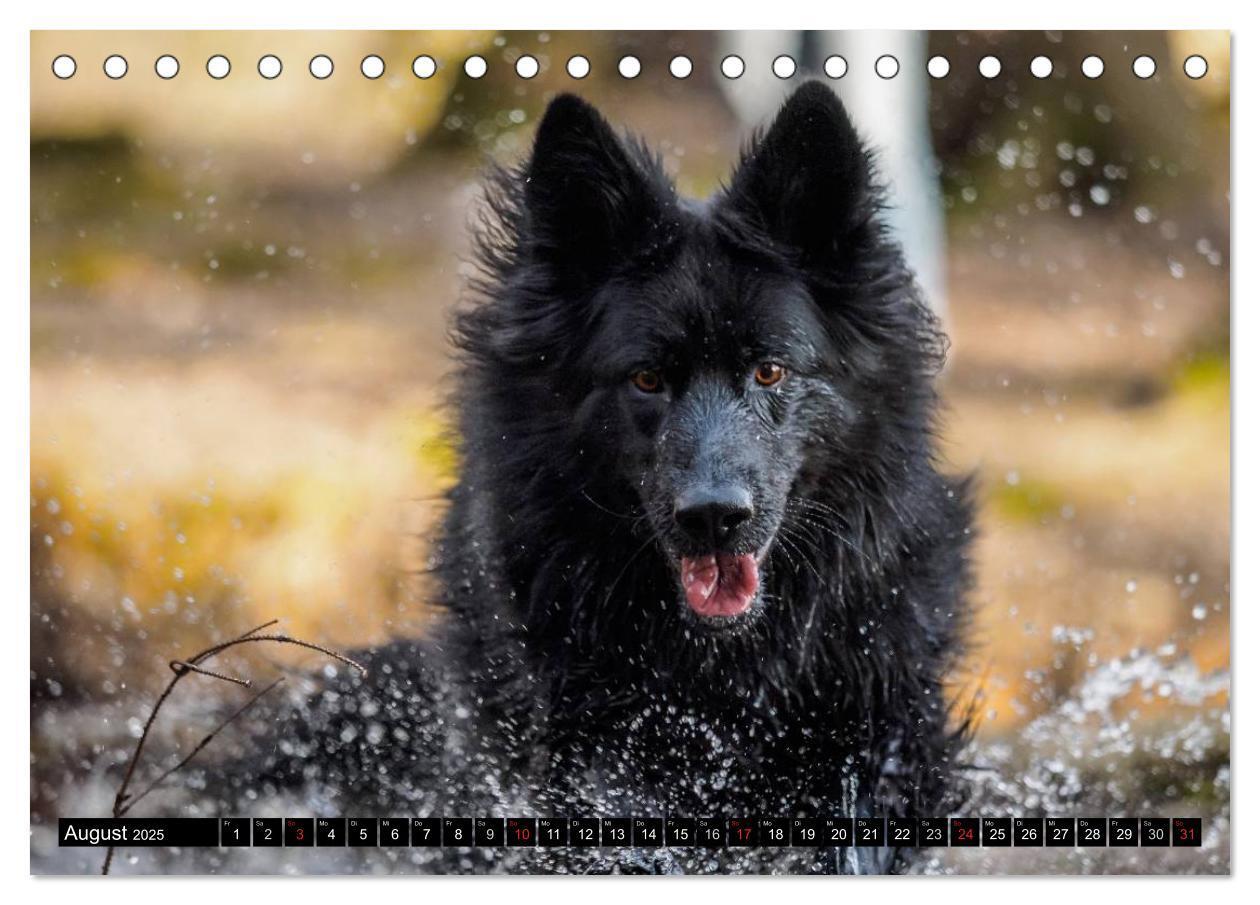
<point x="178" y="666"/>
<point x="133" y="800"/>
<point x="124" y="801"/>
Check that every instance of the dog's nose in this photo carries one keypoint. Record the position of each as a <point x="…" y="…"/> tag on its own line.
<point x="710" y="515"/>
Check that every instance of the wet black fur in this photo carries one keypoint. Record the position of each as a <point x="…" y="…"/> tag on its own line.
<point x="566" y="675"/>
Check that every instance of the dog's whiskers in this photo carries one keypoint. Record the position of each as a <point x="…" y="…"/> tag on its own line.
<point x="826" y="529"/>
<point x="602" y="508"/>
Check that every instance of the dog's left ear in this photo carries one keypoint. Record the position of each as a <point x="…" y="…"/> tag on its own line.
<point x="807" y="182"/>
<point x="592" y="200"/>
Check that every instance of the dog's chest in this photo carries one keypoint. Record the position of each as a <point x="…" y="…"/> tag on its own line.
<point x="696" y="760"/>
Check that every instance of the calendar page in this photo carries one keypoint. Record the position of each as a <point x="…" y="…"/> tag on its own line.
<point x="629" y="452"/>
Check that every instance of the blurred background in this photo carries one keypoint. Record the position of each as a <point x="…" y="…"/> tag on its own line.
<point x="238" y="357"/>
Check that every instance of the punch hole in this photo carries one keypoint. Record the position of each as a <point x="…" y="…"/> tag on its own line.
<point x="64" y="66"/>
<point x="423" y="66"/>
<point x="783" y="66"/>
<point x="680" y="67"/>
<point x="321" y="66"/>
<point x="115" y="66"/>
<point x="887" y="67"/>
<point x="578" y="67"/>
<point x="629" y="67"/>
<point x="269" y="66"/>
<point x="372" y="66"/>
<point x="1195" y="66"/>
<point x="835" y="66"/>
<point x="732" y="66"/>
<point x="1041" y="67"/>
<point x="166" y="66"/>
<point x="938" y="67"/>
<point x="218" y="66"/>
<point x="1144" y="66"/>
<point x="475" y="66"/>
<point x="526" y="66"/>
<point x="1092" y="66"/>
<point x="990" y="67"/>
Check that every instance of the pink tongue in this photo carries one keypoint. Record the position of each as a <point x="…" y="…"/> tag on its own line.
<point x="722" y="585"/>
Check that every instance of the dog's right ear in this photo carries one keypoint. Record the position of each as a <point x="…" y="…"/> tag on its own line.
<point x="590" y="202"/>
<point x="807" y="182"/>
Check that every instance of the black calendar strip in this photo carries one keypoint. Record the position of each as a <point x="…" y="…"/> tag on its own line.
<point x="632" y="832"/>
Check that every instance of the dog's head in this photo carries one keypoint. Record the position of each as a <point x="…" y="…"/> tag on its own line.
<point x="715" y="364"/>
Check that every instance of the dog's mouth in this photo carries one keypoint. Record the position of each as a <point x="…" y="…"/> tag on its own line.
<point x="720" y="584"/>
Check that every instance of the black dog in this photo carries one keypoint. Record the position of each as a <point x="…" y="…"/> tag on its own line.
<point x="699" y="561"/>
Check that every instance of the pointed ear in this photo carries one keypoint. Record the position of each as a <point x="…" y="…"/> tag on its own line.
<point x="807" y="182"/>
<point x="591" y="202"/>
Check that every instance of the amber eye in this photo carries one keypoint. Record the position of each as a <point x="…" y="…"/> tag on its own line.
<point x="648" y="381"/>
<point x="769" y="373"/>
